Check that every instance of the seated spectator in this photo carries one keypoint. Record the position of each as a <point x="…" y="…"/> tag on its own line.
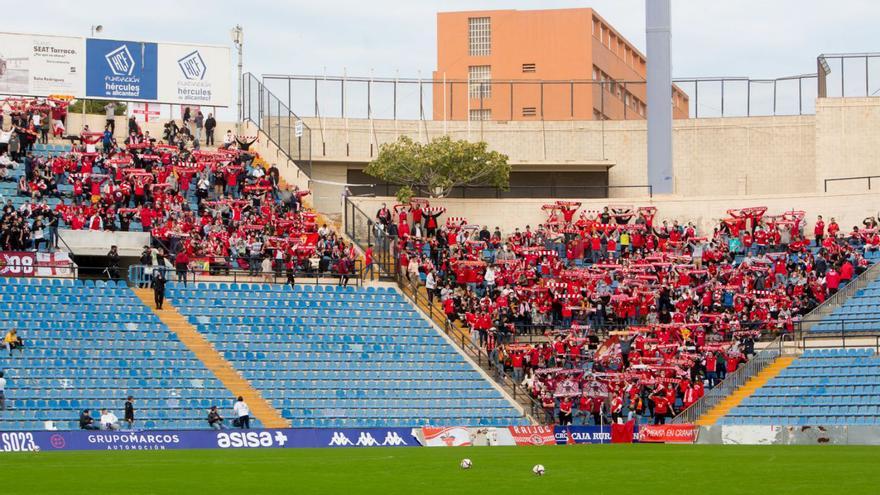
<point x="86" y="422"/>
<point x="215" y="420"/>
<point x="109" y="421"/>
<point x="13" y="341"/>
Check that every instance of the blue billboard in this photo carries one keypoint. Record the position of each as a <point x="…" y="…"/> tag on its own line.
<point x="121" y="70"/>
<point x="23" y="441"/>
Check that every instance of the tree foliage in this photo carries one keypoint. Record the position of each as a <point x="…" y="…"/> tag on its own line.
<point x="97" y="107"/>
<point x="440" y="165"/>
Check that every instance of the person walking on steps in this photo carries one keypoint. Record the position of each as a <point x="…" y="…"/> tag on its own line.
<point x="159" y="288"/>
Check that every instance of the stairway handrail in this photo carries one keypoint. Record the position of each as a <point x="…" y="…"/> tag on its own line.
<point x="731" y="382"/>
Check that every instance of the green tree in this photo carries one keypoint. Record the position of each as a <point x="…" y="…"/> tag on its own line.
<point x="440" y="165"/>
<point x="97" y="107"/>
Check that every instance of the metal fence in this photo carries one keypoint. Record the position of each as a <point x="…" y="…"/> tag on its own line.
<point x="848" y="75"/>
<point x="283" y="127"/>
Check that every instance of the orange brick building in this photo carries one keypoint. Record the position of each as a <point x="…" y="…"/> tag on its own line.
<point x="534" y="64"/>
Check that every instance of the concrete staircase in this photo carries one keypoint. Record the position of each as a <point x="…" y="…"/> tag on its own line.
<point x="214" y="361"/>
<point x="728" y="403"/>
<point x="460" y="334"/>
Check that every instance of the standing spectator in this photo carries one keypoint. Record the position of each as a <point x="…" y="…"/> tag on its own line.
<point x="181" y="266"/>
<point x="13" y="341"/>
<point x="129" y="412"/>
<point x="159" y="286"/>
<point x="215" y="421"/>
<point x="368" y="262"/>
<point x="187" y="117"/>
<point x="110" y="115"/>
<point x="210" y="125"/>
<point x="86" y="421"/>
<point x="109" y="421"/>
<point x="565" y="411"/>
<point x="661" y="407"/>
<point x="45" y="125"/>
<point x="616" y="409"/>
<point x="431" y="287"/>
<point x="242" y="414"/>
<point x="200" y="124"/>
<point x="2" y="392"/>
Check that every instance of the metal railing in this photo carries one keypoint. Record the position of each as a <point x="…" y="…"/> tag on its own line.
<point x="478" y="354"/>
<point x="862" y="75"/>
<point x="140" y="275"/>
<point x="361" y="229"/>
<point x="842" y="340"/>
<point x="275" y="119"/>
<point x="731" y="382"/>
<point x="845" y="179"/>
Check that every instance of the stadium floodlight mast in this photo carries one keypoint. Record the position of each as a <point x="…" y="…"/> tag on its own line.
<point x="97" y="28"/>
<point x="238" y="40"/>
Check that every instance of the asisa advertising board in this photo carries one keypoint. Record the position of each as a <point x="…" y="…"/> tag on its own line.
<point x="125" y="70"/>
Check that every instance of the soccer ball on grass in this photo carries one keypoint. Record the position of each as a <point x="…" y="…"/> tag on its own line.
<point x="538" y="470"/>
<point x="466" y="464"/>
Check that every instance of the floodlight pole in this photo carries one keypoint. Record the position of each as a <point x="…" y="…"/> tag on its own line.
<point x="238" y="41"/>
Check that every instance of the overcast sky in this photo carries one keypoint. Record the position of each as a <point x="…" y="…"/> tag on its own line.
<point x="756" y="38"/>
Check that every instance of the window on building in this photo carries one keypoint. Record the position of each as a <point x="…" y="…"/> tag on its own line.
<point x="529" y="68"/>
<point x="595" y="73"/>
<point x="529" y="111"/>
<point x="479" y="36"/>
<point x="479" y="77"/>
<point x="481" y="114"/>
<point x="595" y="27"/>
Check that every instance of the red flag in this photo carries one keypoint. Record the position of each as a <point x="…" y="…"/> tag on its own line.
<point x="623" y="433"/>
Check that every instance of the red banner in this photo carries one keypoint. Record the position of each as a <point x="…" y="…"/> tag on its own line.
<point x="669" y="433"/>
<point x="623" y="433"/>
<point x="533" y="435"/>
<point x="17" y="263"/>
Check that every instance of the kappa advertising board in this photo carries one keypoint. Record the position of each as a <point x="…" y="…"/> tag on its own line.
<point x="37" y="65"/>
<point x="22" y="441"/>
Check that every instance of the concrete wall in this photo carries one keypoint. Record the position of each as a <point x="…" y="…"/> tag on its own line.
<point x="705" y="212"/>
<point x="730" y="156"/>
<point x="847" y="141"/>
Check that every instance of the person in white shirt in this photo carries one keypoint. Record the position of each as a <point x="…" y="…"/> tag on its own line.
<point x="489" y="278"/>
<point x="109" y="421"/>
<point x="228" y="140"/>
<point x="431" y="285"/>
<point x="2" y="392"/>
<point x="242" y="413"/>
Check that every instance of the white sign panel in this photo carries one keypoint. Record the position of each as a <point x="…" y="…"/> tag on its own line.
<point x="194" y="74"/>
<point x="39" y="65"/>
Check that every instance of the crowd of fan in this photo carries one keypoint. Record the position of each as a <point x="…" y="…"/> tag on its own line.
<point x="676" y="309"/>
<point x="211" y="209"/>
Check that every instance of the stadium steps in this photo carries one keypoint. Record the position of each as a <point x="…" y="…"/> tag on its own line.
<point x="459" y="334"/>
<point x="207" y="354"/>
<point x="744" y="392"/>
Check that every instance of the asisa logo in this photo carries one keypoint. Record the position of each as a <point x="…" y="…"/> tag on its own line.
<point x="193" y="66"/>
<point x="253" y="439"/>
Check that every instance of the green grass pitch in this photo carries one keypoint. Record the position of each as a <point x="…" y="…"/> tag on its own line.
<point x="587" y="469"/>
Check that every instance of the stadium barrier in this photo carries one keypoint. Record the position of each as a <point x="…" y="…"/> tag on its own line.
<point x="450" y="436"/>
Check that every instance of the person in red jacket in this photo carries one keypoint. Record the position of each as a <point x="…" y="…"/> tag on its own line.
<point x="565" y="406"/>
<point x="661" y="408"/>
<point x="819" y="230"/>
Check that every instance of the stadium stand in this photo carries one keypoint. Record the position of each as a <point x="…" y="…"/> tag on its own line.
<point x="342" y="357"/>
<point x="88" y="345"/>
<point x="859" y="313"/>
<point x="681" y="309"/>
<point x="822" y="387"/>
